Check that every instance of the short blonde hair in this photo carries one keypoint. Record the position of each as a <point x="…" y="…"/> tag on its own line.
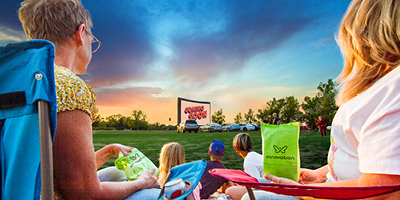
<point x="369" y="40"/>
<point x="172" y="154"/>
<point x="53" y="20"/>
<point x="243" y="142"/>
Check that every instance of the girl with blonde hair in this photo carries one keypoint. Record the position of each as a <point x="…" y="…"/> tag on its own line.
<point x="172" y="154"/>
<point x="365" y="136"/>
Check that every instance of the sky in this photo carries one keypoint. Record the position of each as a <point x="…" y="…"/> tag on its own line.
<point x="236" y="54"/>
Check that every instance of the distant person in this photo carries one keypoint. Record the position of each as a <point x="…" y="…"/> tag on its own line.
<point x="322" y="126"/>
<point x="253" y="163"/>
<point x="276" y="119"/>
<point x="292" y="120"/>
<point x="67" y="24"/>
<point x="265" y="120"/>
<point x="172" y="154"/>
<point x="209" y="183"/>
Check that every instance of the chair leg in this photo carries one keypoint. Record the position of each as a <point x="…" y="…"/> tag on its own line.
<point x="46" y="151"/>
<point x="250" y="192"/>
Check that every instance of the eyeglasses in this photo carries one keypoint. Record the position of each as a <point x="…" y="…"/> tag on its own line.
<point x="95" y="43"/>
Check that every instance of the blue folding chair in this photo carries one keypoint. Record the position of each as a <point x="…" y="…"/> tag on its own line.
<point x="189" y="172"/>
<point x="28" y="111"/>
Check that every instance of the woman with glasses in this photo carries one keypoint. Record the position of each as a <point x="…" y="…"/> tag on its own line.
<point x="68" y="26"/>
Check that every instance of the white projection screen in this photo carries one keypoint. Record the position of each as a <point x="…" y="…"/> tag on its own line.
<point x="197" y="110"/>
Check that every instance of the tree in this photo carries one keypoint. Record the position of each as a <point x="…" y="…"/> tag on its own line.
<point x="249" y="117"/>
<point x="273" y="106"/>
<point x="138" y="120"/>
<point x="238" y="119"/>
<point x="97" y="121"/>
<point x="218" y="117"/>
<point x="327" y="96"/>
<point x="311" y="110"/>
<point x="114" y="121"/>
<point x="261" y="114"/>
<point x="290" y="109"/>
<point x="323" y="104"/>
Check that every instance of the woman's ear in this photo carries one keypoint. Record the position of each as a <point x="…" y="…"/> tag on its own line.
<point x="79" y="35"/>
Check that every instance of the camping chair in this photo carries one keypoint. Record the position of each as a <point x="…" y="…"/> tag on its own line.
<point x="28" y="111"/>
<point x="242" y="178"/>
<point x="190" y="172"/>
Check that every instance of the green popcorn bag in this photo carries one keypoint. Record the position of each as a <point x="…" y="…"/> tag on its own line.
<point x="280" y="149"/>
<point x="134" y="164"/>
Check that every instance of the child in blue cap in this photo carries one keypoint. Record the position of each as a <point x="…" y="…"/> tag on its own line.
<point x="211" y="184"/>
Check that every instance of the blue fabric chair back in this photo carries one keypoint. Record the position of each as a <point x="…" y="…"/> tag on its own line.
<point x="26" y="76"/>
<point x="190" y="171"/>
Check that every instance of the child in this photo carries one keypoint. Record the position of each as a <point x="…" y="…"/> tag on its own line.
<point x="172" y="154"/>
<point x="209" y="183"/>
<point x="253" y="163"/>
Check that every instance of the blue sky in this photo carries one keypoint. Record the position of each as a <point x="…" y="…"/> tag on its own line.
<point x="236" y="54"/>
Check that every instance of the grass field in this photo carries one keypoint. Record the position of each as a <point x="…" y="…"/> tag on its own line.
<point x="313" y="147"/>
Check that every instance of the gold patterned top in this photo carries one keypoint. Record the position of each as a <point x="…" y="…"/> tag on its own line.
<point x="72" y="93"/>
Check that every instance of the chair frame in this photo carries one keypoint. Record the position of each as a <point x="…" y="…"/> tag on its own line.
<point x="242" y="178"/>
<point x="44" y="103"/>
<point x="46" y="151"/>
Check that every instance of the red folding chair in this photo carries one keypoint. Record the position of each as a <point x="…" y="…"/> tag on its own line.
<point x="242" y="178"/>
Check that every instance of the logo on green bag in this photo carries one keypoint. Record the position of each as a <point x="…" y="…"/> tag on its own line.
<point x="134" y="156"/>
<point x="280" y="149"/>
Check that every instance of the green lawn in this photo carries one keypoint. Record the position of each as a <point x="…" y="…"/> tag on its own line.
<point x="313" y="147"/>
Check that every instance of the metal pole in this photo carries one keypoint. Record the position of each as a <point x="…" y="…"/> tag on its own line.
<point x="46" y="151"/>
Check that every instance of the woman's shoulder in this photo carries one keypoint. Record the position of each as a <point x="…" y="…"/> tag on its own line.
<point x="377" y="101"/>
<point x="63" y="75"/>
<point x="73" y="93"/>
<point x="253" y="156"/>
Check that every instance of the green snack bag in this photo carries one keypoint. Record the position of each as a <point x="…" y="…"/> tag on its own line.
<point x="134" y="164"/>
<point x="280" y="149"/>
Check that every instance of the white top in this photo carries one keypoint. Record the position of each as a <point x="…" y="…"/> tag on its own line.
<point x="253" y="164"/>
<point x="365" y="135"/>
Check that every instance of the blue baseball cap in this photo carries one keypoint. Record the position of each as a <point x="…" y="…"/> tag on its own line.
<point x="217" y="148"/>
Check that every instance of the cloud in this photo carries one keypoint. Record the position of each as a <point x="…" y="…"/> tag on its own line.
<point x="196" y="40"/>
<point x="126" y="50"/>
<point x="124" y="96"/>
<point x="8" y="35"/>
<point x="123" y="101"/>
<point x="10" y="27"/>
<point x="9" y="14"/>
<point x="248" y="29"/>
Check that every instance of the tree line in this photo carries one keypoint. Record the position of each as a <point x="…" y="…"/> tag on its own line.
<point x="322" y="104"/>
<point x="137" y="121"/>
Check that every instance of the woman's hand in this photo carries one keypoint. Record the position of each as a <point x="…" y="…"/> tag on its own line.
<point x="147" y="179"/>
<point x="111" y="150"/>
<point x="280" y="180"/>
<point x="114" y="149"/>
<point x="308" y="176"/>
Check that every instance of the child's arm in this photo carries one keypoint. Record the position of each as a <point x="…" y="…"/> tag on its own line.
<point x="225" y="186"/>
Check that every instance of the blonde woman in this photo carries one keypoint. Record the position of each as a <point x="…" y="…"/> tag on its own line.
<point x="68" y="25"/>
<point x="365" y="135"/>
<point x="172" y="154"/>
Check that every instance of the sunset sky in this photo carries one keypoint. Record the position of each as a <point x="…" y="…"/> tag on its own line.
<point x="237" y="54"/>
